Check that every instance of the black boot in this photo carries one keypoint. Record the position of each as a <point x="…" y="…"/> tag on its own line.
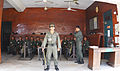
<point x="77" y="61"/>
<point x="47" y="69"/>
<point x="56" y="68"/>
<point x="22" y="55"/>
<point x="81" y="62"/>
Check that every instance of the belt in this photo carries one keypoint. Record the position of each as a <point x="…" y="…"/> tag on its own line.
<point x="51" y="44"/>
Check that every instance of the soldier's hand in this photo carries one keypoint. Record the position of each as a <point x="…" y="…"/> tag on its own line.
<point x="43" y="49"/>
<point x="74" y="38"/>
<point x="58" y="49"/>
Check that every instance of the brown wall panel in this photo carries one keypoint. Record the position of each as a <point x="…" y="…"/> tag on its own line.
<point x="103" y="7"/>
<point x="37" y="20"/>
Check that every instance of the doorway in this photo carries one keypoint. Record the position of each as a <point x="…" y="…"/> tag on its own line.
<point x="5" y="35"/>
<point x="108" y="26"/>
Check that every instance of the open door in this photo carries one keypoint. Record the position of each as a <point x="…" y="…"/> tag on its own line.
<point x="108" y="26"/>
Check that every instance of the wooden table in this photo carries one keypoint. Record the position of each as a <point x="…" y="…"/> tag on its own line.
<point x="95" y="57"/>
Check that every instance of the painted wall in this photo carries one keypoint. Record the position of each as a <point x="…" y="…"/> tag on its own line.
<point x="37" y="20"/>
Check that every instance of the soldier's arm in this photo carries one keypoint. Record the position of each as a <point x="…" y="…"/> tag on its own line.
<point x="88" y="44"/>
<point x="81" y="36"/>
<point x="76" y="34"/>
<point x="44" y="41"/>
<point x="59" y="43"/>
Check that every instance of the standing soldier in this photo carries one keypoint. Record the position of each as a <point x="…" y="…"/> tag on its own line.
<point x="12" y="46"/>
<point x="20" y="45"/>
<point x="52" y="38"/>
<point x="79" y="37"/>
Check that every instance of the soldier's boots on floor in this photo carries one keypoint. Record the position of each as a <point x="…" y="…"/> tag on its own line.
<point x="80" y="62"/>
<point x="56" y="68"/>
<point x="22" y="55"/>
<point x="47" y="69"/>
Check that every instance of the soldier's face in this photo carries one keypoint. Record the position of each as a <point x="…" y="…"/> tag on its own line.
<point x="85" y="38"/>
<point x="77" y="29"/>
<point x="37" y="38"/>
<point x="52" y="28"/>
<point x="26" y="37"/>
<point x="31" y="38"/>
<point x="20" y="38"/>
<point x="12" y="38"/>
<point x="65" y="38"/>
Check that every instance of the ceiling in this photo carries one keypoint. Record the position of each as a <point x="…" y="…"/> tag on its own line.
<point x="83" y="4"/>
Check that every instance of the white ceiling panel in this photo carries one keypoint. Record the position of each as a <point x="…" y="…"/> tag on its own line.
<point x="83" y="4"/>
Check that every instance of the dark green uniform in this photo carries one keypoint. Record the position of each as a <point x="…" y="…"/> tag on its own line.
<point x="39" y="43"/>
<point x="70" y="45"/>
<point x="64" y="45"/>
<point x="19" y="45"/>
<point x="85" y="47"/>
<point x="79" y="38"/>
<point x="12" y="47"/>
<point x="52" y="40"/>
<point x="34" y="46"/>
<point x="28" y="48"/>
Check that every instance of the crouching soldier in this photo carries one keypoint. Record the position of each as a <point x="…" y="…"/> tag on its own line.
<point x="12" y="46"/>
<point x="70" y="46"/>
<point x="20" y="43"/>
<point x="85" y="47"/>
<point x="64" y="45"/>
<point x="27" y="45"/>
<point x="31" y="44"/>
<point x="34" y="46"/>
<point x="39" y="43"/>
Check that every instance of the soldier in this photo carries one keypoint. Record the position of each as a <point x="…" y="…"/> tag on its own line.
<point x="85" y="46"/>
<point x="39" y="43"/>
<point x="70" y="45"/>
<point x="64" y="44"/>
<point x="12" y="46"/>
<point x="32" y="43"/>
<point x="20" y="45"/>
<point x="79" y="37"/>
<point x="34" y="46"/>
<point x="67" y="49"/>
<point x="52" y="38"/>
<point x="27" y="44"/>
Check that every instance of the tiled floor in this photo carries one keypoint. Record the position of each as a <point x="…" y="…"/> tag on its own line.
<point x="11" y="63"/>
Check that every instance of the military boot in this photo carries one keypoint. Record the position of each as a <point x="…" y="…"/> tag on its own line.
<point x="47" y="69"/>
<point x="56" y="68"/>
<point x="81" y="62"/>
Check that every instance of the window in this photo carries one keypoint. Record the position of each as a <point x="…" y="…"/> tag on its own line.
<point x="93" y="23"/>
